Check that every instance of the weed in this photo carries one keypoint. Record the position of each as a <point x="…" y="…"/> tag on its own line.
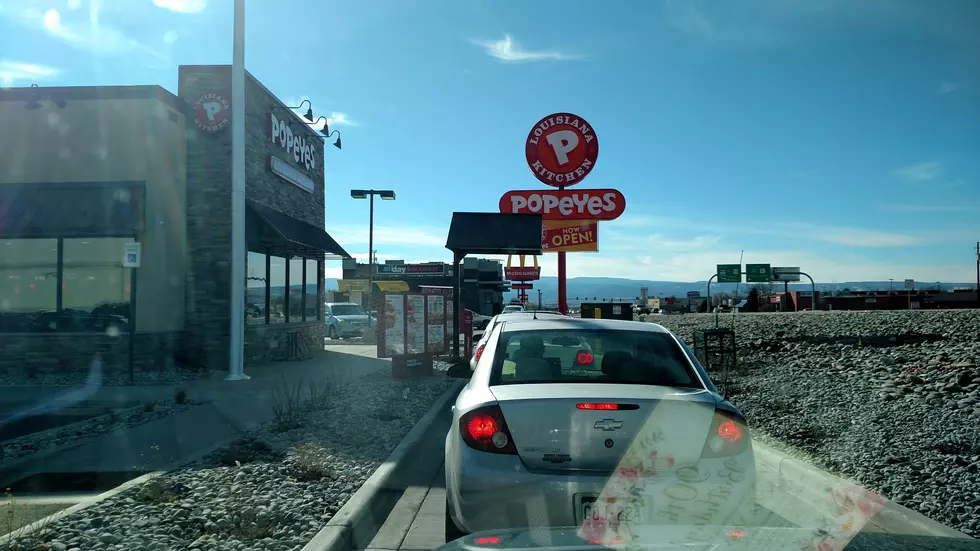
<point x="155" y="491"/>
<point x="148" y="407"/>
<point x="23" y="531"/>
<point x="319" y="396"/>
<point x="180" y="396"/>
<point x="287" y="402"/>
<point x="310" y="463"/>
<point x="114" y="418"/>
<point x="387" y="410"/>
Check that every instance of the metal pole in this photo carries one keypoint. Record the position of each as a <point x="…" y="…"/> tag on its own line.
<point x="236" y="345"/>
<point x="371" y="251"/>
<point x="457" y="307"/>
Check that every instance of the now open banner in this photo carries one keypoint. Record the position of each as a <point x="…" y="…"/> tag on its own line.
<point x="569" y="236"/>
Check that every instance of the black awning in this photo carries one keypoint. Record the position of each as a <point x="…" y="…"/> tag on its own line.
<point x="494" y="233"/>
<point x="70" y="210"/>
<point x="279" y="233"/>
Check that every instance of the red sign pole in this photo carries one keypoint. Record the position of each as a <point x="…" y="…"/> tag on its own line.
<point x="562" y="307"/>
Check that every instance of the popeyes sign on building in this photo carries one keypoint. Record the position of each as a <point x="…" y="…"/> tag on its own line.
<point x="295" y="145"/>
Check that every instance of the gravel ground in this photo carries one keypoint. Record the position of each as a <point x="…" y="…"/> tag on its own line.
<point x="888" y="399"/>
<point x="274" y="489"/>
<point x="29" y="444"/>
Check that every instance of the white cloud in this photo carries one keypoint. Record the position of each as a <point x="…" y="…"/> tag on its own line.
<point x="507" y="49"/>
<point x="708" y="232"/>
<point x="947" y="87"/>
<point x="341" y="119"/>
<point x="699" y="266"/>
<point x="932" y="208"/>
<point x="921" y="172"/>
<point x="14" y="72"/>
<point x="83" y="31"/>
<point x="357" y="235"/>
<point x="182" y="6"/>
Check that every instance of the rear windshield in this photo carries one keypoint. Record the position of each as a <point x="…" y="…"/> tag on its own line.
<point x="348" y="310"/>
<point x="590" y="356"/>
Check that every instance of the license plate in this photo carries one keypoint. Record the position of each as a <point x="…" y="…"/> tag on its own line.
<point x="611" y="509"/>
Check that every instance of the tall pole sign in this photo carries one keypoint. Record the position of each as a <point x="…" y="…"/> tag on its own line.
<point x="561" y="150"/>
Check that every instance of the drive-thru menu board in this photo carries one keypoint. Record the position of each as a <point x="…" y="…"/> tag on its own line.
<point x="415" y="324"/>
<point x="435" y="329"/>
<point x="412" y="327"/>
<point x="393" y="325"/>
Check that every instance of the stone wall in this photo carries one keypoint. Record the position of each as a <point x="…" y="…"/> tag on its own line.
<point x="28" y="355"/>
<point x="205" y="342"/>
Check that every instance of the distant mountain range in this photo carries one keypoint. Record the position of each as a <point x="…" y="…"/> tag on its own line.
<point x="611" y="287"/>
<point x="614" y="287"/>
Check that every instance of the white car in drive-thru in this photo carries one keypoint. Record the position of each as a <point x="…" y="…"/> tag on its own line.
<point x="539" y="440"/>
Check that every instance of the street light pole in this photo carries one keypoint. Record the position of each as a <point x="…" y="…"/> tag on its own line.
<point x="371" y="254"/>
<point x="236" y="343"/>
<point x="386" y="195"/>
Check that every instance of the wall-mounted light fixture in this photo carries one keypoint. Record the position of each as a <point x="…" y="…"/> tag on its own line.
<point x="35" y="99"/>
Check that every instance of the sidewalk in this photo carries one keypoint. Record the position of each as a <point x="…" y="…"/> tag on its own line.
<point x="235" y="407"/>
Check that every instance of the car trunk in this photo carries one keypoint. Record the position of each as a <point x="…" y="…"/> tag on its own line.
<point x="665" y="427"/>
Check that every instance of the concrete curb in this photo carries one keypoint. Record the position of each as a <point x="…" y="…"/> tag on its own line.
<point x="336" y="535"/>
<point x="84" y="504"/>
<point x="817" y="488"/>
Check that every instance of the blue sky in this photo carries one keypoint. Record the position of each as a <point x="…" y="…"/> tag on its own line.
<point x="841" y="136"/>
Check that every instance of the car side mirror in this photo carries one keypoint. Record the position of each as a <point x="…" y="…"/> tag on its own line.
<point x="460" y="370"/>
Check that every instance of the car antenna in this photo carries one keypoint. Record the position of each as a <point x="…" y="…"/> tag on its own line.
<point x="534" y="314"/>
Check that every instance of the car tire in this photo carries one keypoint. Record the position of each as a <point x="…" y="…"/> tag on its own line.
<point x="452" y="531"/>
<point x="332" y="333"/>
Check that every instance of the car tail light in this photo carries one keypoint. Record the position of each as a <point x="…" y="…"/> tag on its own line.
<point x="479" y="352"/>
<point x="606" y="407"/>
<point x="728" y="435"/>
<point x="584" y="357"/>
<point x="484" y="429"/>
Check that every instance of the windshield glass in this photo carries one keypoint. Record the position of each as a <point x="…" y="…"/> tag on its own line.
<point x="348" y="310"/>
<point x="254" y="253"/>
<point x="591" y="356"/>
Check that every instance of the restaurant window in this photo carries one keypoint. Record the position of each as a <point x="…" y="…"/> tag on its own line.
<point x="296" y="292"/>
<point x="255" y="284"/>
<point x="312" y="289"/>
<point x="28" y="285"/>
<point x="277" y="287"/>
<point x="95" y="287"/>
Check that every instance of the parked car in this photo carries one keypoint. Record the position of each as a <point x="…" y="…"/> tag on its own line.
<point x="346" y="319"/>
<point x="479" y="320"/>
<point x="536" y="438"/>
<point x="512" y="308"/>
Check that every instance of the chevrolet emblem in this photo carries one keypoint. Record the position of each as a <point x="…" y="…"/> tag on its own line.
<point x="608" y="424"/>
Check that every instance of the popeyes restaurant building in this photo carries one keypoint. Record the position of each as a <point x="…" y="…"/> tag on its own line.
<point x="115" y="227"/>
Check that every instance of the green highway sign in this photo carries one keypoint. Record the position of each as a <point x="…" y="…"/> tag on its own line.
<point x="758" y="273"/>
<point x="729" y="273"/>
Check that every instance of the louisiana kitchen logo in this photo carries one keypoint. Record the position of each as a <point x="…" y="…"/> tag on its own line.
<point x="212" y="112"/>
<point x="561" y="149"/>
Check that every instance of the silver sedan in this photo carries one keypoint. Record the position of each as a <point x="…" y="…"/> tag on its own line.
<point x="540" y="439"/>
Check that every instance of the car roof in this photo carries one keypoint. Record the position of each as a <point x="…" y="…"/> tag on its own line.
<point x="525" y="314"/>
<point x="566" y="323"/>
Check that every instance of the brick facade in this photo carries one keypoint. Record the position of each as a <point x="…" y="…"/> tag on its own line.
<point x="209" y="215"/>
<point x="27" y="356"/>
